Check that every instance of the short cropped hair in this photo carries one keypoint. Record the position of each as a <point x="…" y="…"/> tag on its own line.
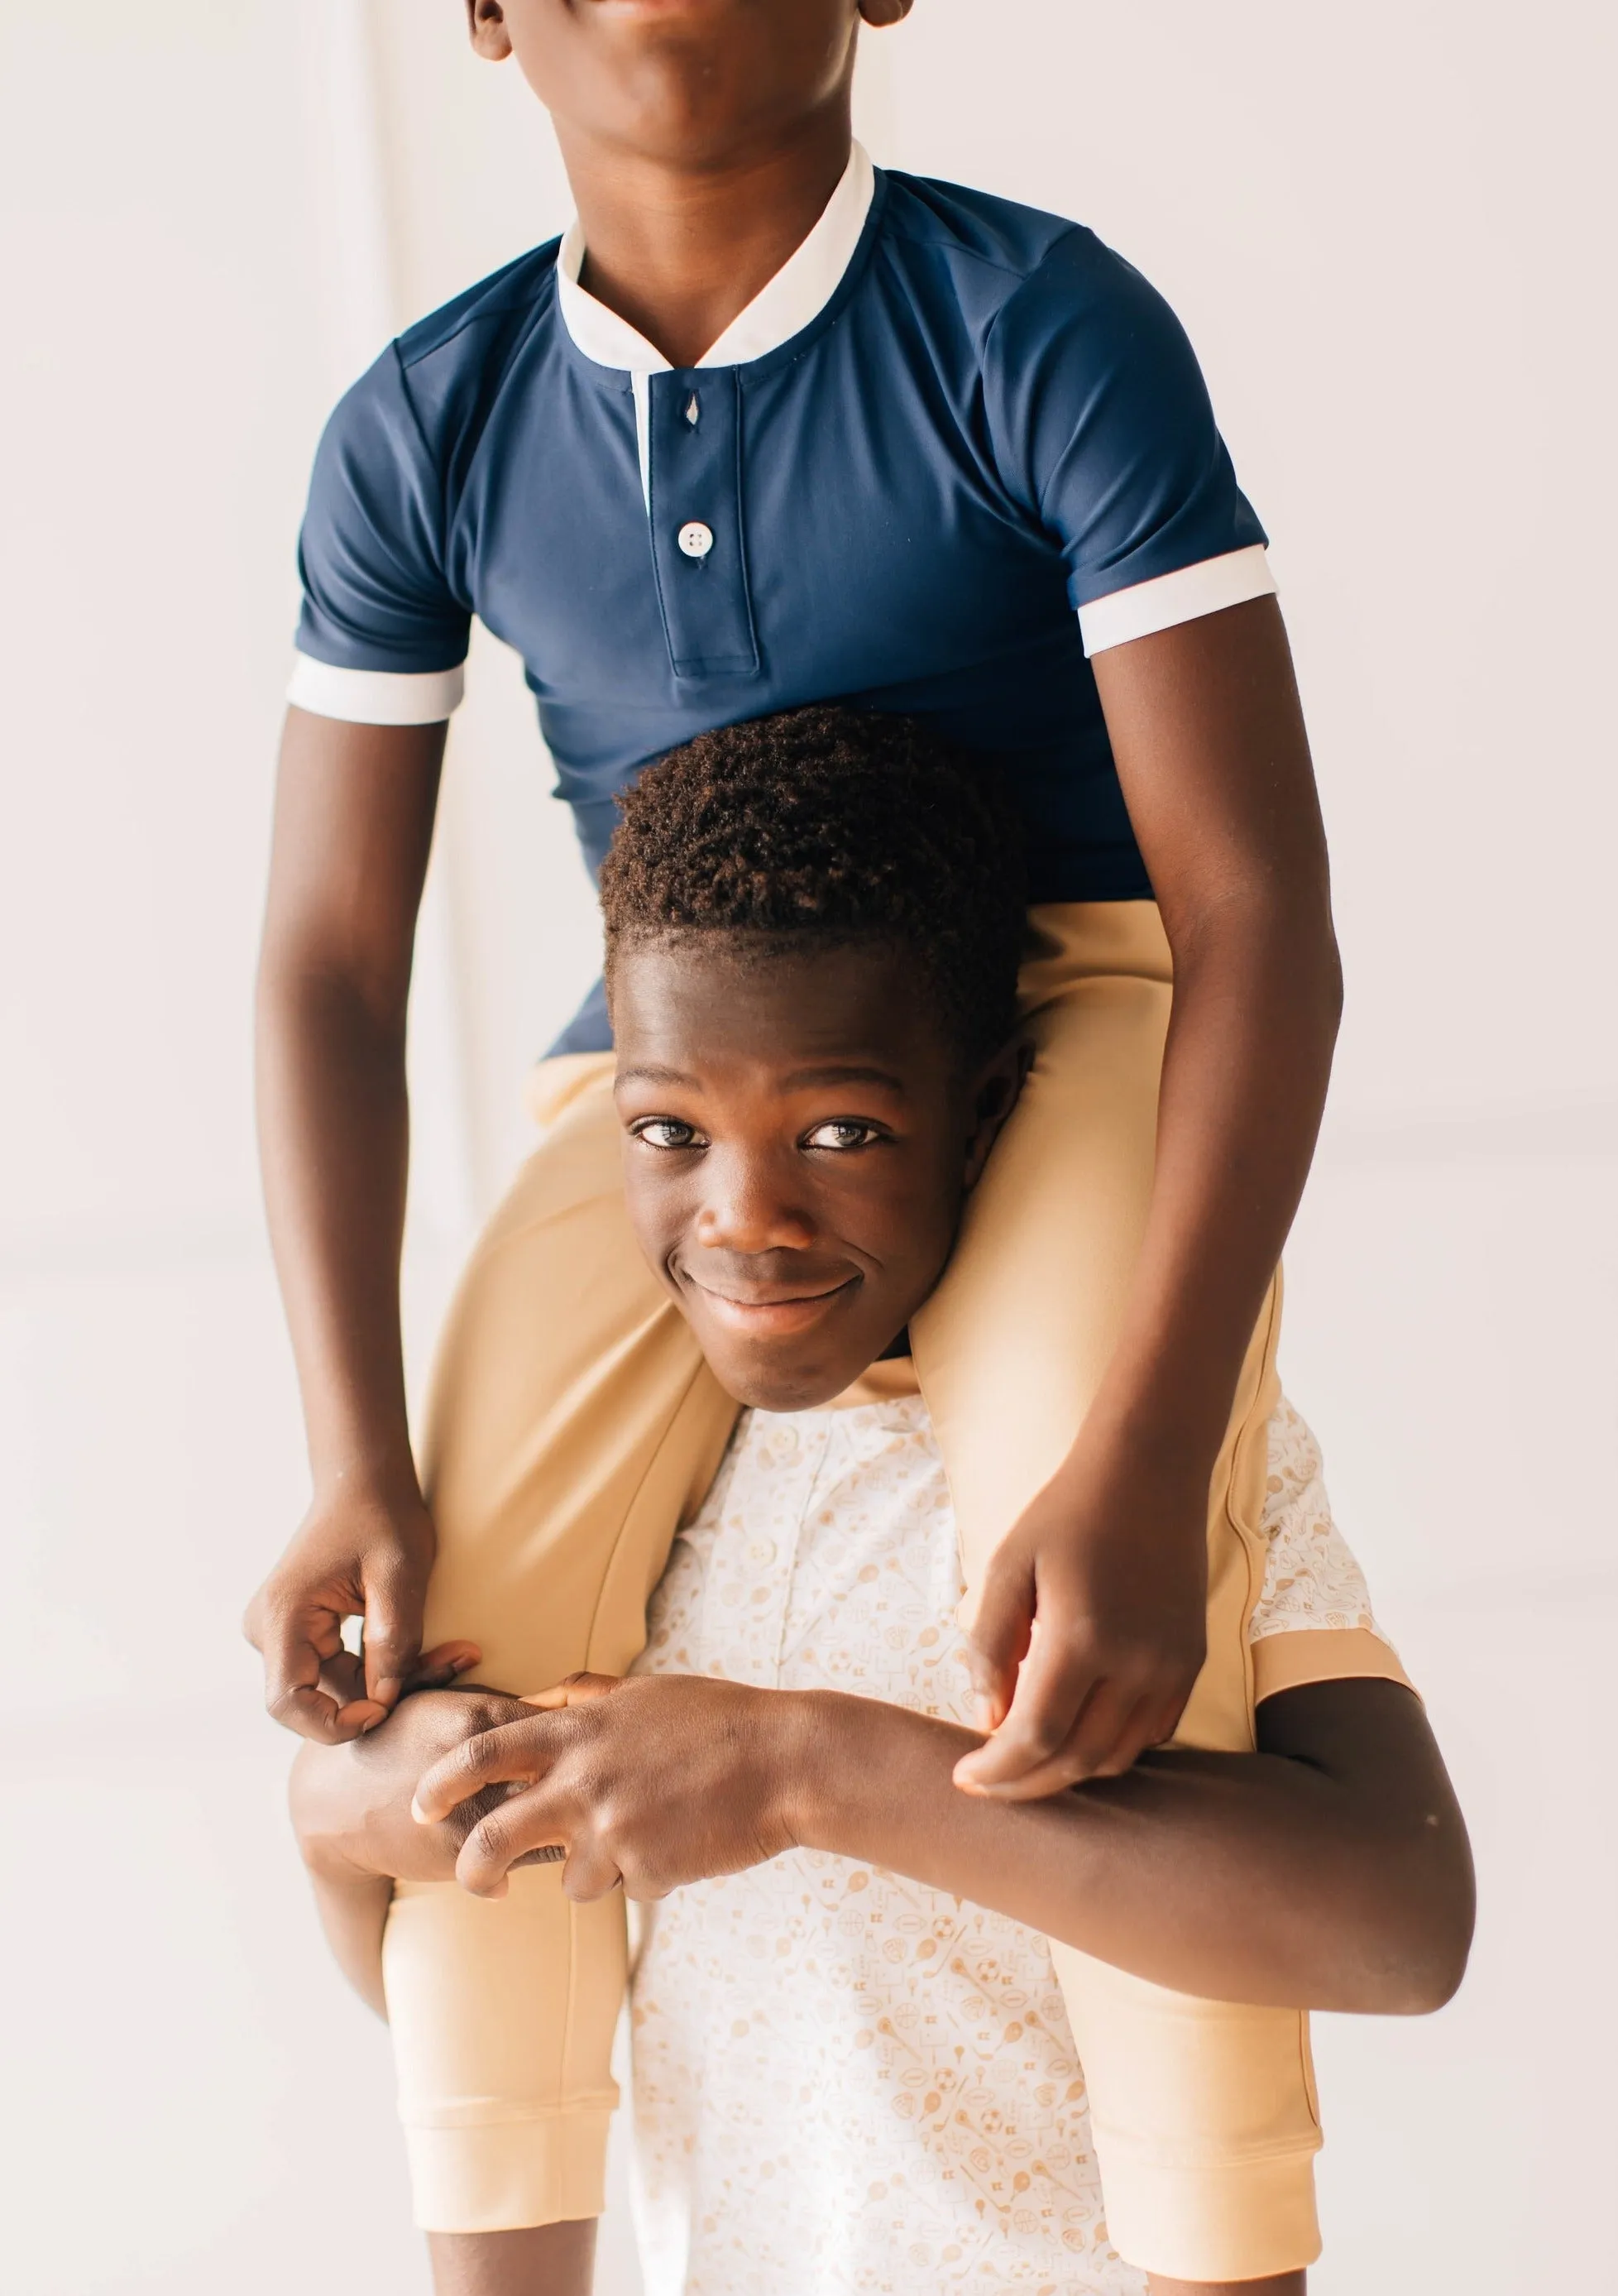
<point x="827" y="825"/>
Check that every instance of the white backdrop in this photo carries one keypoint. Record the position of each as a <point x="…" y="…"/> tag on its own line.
<point x="1390" y="235"/>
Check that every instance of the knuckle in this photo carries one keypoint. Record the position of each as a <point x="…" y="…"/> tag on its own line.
<point x="461" y="1772"/>
<point x="318" y="1724"/>
<point x="1084" y="1643"/>
<point x="493" y="1839"/>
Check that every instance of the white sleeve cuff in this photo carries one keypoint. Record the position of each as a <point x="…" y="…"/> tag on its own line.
<point x="1182" y="597"/>
<point x="375" y="697"/>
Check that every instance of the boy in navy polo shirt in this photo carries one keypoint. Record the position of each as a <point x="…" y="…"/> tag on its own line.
<point x="770" y="426"/>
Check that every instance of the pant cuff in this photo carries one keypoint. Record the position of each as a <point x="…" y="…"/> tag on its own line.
<point x="1225" y="2221"/>
<point x="509" y="2176"/>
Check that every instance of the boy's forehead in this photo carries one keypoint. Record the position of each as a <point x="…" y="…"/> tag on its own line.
<point x="804" y="1013"/>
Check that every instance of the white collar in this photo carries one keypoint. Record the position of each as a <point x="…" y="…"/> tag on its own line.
<point x="782" y="307"/>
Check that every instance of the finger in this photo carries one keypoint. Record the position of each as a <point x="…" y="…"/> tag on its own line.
<point x="514" y="1754"/>
<point x="520" y="1826"/>
<point x="1092" y="1748"/>
<point x="445" y="1664"/>
<point x="1052" y="1684"/>
<point x="1094" y="1744"/>
<point x="394" y="1602"/>
<point x="999" y="1638"/>
<point x="311" y="1714"/>
<point x="297" y="1643"/>
<point x="1146" y="1725"/>
<point x="1168" y="1715"/>
<point x="1134" y="1727"/>
<point x="576" y="1690"/>
<point x="343" y="1678"/>
<point x="591" y="1873"/>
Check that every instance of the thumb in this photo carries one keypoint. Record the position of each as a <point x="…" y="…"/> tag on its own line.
<point x="998" y="1637"/>
<point x="395" y="1600"/>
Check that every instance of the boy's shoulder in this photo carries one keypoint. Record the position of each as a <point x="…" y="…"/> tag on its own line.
<point x="957" y="218"/>
<point x="474" y="323"/>
<point x="1000" y="245"/>
<point x="437" y="379"/>
<point x="999" y="253"/>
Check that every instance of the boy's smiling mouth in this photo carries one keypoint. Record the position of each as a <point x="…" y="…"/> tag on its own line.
<point x="765" y="1311"/>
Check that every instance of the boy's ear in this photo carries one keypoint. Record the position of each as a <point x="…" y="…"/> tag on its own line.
<point x="486" y="22"/>
<point x="878" y="13"/>
<point x="994" y="1095"/>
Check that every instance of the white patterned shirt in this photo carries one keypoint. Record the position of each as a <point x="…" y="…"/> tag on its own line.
<point x="844" y="2080"/>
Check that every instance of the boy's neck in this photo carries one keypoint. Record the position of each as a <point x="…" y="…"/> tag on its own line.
<point x="680" y="253"/>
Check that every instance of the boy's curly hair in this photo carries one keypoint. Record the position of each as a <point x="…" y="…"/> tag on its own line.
<point x="830" y="825"/>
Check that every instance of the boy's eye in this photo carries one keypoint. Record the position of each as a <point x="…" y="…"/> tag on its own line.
<point x="841" y="1132"/>
<point x="668" y="1132"/>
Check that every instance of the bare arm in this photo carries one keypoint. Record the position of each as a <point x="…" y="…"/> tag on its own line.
<point x="1208" y="736"/>
<point x="1208" y="733"/>
<point x="354" y="819"/>
<point x="1328" y="1870"/>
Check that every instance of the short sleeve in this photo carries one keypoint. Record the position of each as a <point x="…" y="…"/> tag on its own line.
<point x="1313" y="1621"/>
<point x="1103" y="427"/>
<point x="382" y="638"/>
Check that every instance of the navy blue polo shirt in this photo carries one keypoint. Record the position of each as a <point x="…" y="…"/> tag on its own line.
<point x="952" y="449"/>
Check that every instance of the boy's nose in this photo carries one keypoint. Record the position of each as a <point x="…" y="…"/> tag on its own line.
<point x="746" y="1208"/>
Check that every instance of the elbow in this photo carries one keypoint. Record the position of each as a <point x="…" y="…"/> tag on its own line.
<point x="1306" y="932"/>
<point x="1272" y="925"/>
<point x="1415" y="1944"/>
<point x="331" y="971"/>
<point x="1422" y="1971"/>
<point x="1331" y="988"/>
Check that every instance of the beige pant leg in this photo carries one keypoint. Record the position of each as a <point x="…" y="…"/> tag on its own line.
<point x="1203" y="2112"/>
<point x="572" y="1426"/>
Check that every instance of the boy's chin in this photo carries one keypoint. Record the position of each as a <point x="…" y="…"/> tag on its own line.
<point x="785" y="1386"/>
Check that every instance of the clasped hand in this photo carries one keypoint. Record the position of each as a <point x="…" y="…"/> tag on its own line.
<point x="652" y="1782"/>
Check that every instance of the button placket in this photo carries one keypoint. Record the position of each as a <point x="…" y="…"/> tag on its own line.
<point x="694" y="500"/>
<point x="767" y="1506"/>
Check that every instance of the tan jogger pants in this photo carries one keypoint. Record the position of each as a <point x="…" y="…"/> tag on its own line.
<point x="572" y="1426"/>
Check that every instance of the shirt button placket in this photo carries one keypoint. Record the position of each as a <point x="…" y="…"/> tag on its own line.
<point x="694" y="484"/>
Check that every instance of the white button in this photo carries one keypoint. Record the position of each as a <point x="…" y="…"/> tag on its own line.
<point x="696" y="540"/>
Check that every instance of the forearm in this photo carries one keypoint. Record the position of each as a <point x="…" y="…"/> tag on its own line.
<point x="333" y="1135"/>
<point x="1257" y="996"/>
<point x="1208" y="732"/>
<point x="1253" y="1878"/>
<point x="354" y="807"/>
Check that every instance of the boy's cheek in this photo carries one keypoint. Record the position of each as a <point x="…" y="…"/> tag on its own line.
<point x="658" y="1224"/>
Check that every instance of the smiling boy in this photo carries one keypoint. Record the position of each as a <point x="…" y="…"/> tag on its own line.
<point x="853" y="2067"/>
<point x="771" y="426"/>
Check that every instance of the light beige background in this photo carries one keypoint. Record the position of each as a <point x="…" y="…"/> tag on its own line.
<point x="1389" y="231"/>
